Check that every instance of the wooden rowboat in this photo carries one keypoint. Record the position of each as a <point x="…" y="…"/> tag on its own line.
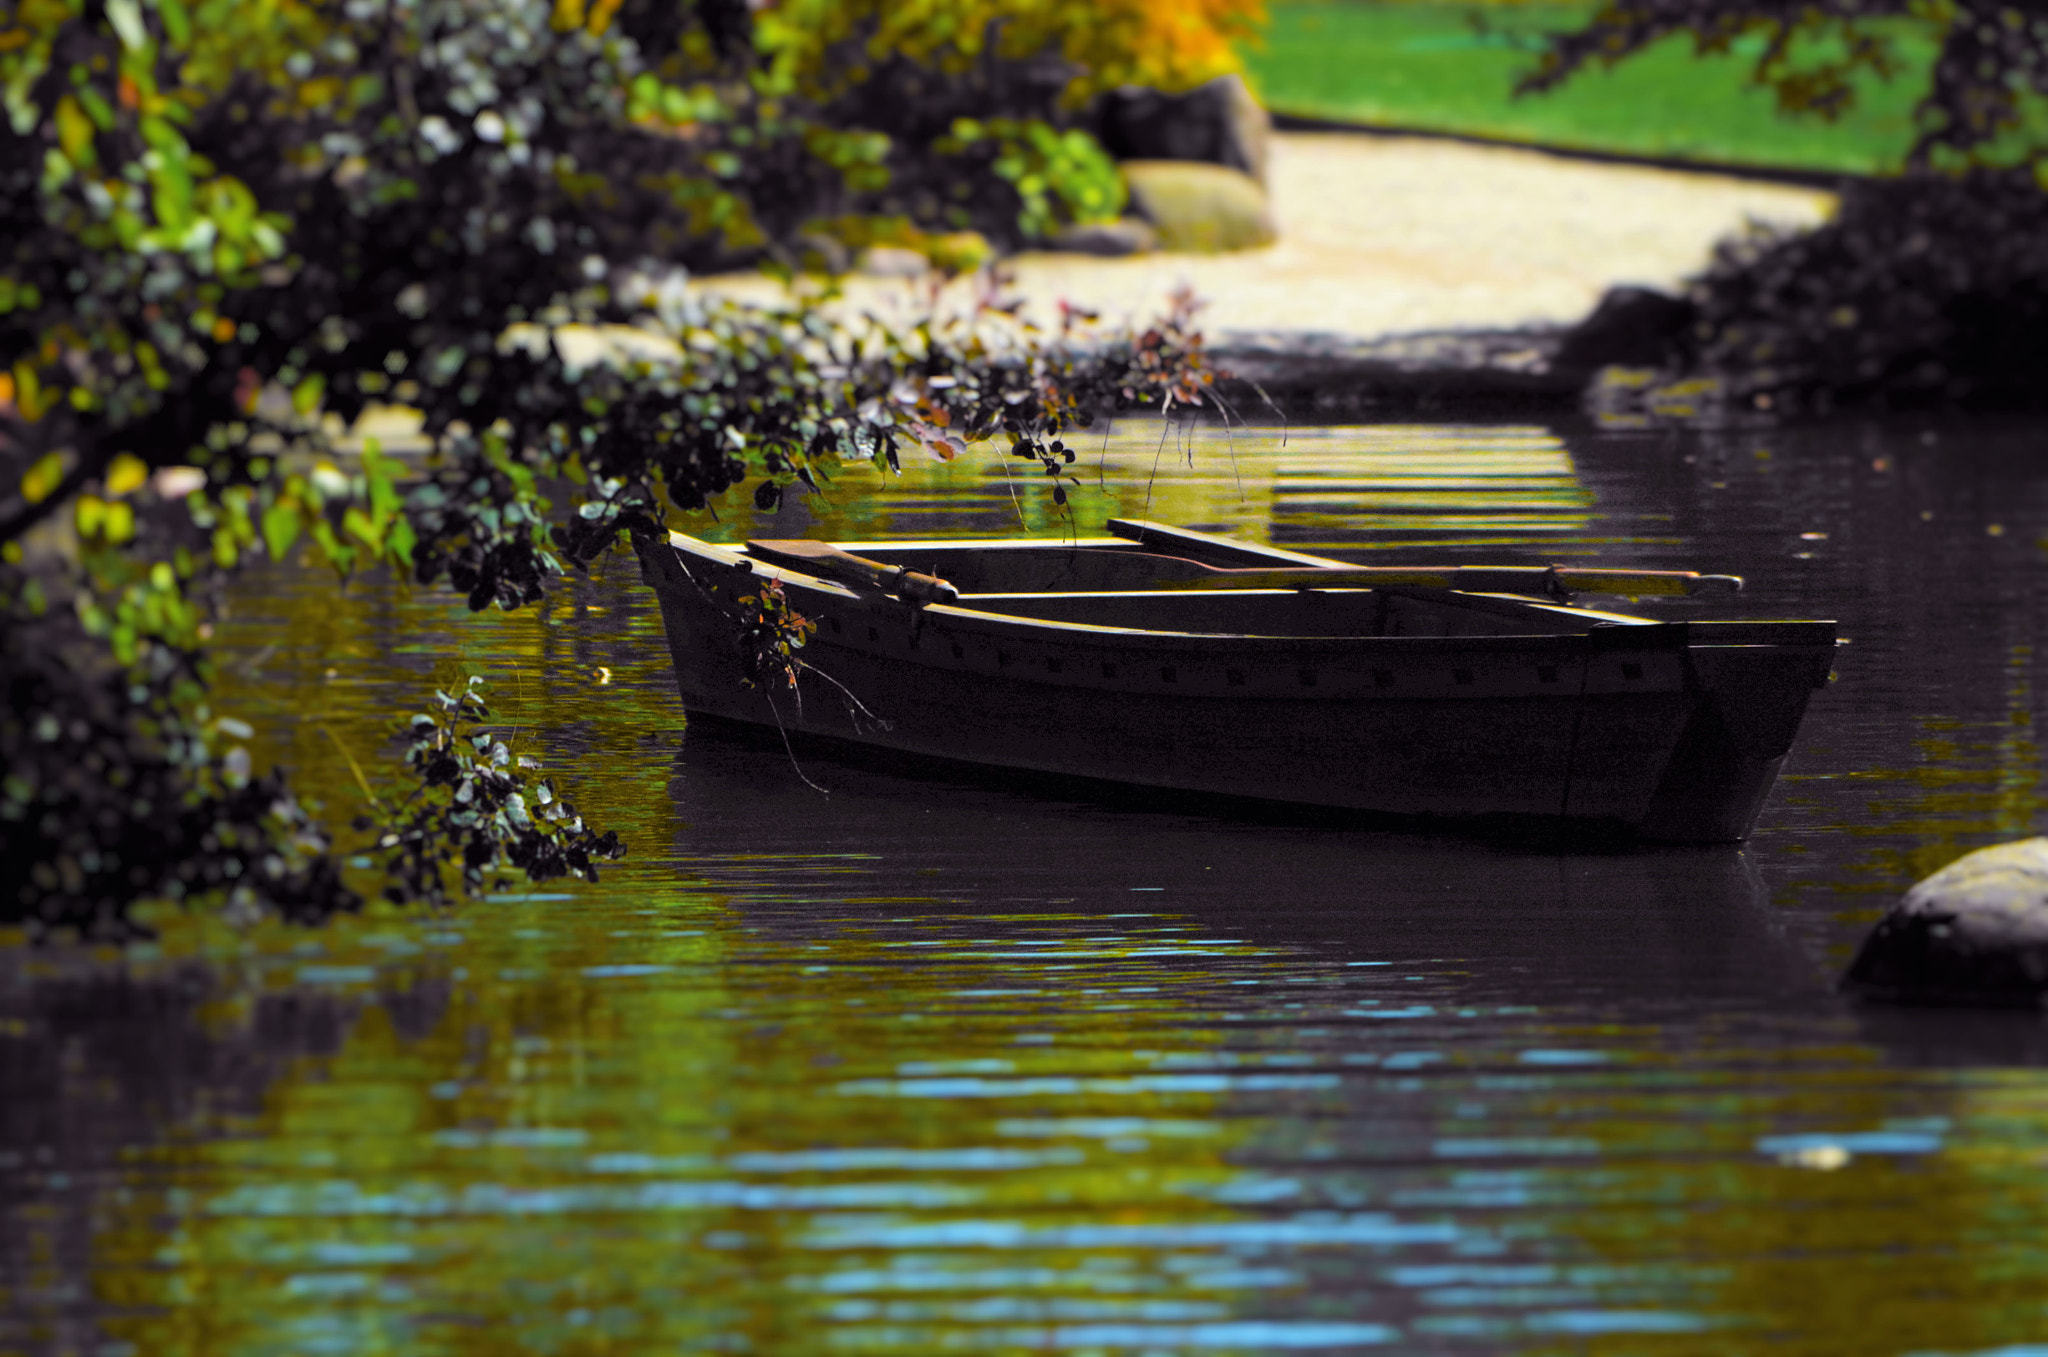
<point x="1172" y="659"/>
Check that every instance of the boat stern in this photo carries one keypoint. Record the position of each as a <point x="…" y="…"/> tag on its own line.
<point x="1752" y="681"/>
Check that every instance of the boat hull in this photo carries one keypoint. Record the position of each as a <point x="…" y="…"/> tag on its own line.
<point x="1658" y="729"/>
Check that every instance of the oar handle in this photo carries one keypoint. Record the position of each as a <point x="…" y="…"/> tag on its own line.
<point x="1647" y="582"/>
<point x="830" y="562"/>
<point x="921" y="588"/>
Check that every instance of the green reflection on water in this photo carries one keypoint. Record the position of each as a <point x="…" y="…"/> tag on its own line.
<point x="645" y="1126"/>
<point x="779" y="1091"/>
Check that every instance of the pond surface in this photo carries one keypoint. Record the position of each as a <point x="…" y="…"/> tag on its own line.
<point x="921" y="1066"/>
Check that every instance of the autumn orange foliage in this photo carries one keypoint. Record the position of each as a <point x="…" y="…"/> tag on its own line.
<point x="1166" y="44"/>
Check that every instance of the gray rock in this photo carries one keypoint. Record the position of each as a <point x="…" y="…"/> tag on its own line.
<point x="1200" y="208"/>
<point x="1976" y="932"/>
<point x="1219" y="122"/>
<point x="1126" y="235"/>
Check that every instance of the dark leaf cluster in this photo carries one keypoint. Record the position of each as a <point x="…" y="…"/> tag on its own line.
<point x="770" y="635"/>
<point x="1925" y="290"/>
<point x="226" y="232"/>
<point x="477" y="814"/>
<point x="651" y="426"/>
<point x="120" y="785"/>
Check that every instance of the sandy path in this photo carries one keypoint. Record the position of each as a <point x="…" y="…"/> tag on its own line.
<point x="1383" y="236"/>
<point x="1380" y="236"/>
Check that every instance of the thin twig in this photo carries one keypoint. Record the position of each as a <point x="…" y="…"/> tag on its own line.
<point x="1274" y="406"/>
<point x="355" y="768"/>
<point x="787" y="747"/>
<point x="860" y="706"/>
<point x="1015" y="503"/>
<point x="1165" y="427"/>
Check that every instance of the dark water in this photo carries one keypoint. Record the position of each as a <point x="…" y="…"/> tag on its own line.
<point x="924" y="1066"/>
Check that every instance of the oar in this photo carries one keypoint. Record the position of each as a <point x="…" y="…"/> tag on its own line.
<point x="829" y="562"/>
<point x="1542" y="581"/>
<point x="1293" y="570"/>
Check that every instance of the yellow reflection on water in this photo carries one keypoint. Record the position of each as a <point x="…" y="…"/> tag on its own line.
<point x="796" y="1079"/>
<point x="1318" y="488"/>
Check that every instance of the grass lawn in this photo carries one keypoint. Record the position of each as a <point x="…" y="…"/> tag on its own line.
<point x="1426" y="64"/>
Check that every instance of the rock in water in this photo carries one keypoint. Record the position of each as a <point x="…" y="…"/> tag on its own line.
<point x="1218" y="122"/>
<point x="1976" y="932"/>
<point x="1201" y="208"/>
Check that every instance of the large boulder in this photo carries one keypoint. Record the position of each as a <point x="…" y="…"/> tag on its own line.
<point x="1976" y="932"/>
<point x="1200" y="208"/>
<point x="1636" y="327"/>
<point x="1218" y="122"/>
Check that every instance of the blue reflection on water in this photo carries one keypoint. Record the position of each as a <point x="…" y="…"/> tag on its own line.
<point x="907" y="1075"/>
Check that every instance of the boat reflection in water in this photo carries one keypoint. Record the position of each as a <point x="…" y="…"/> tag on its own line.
<point x="1622" y="921"/>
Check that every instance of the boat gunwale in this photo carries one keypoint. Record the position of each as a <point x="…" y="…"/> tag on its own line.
<point x="952" y="545"/>
<point x="1654" y="634"/>
<point x="1047" y="629"/>
<point x="1155" y="638"/>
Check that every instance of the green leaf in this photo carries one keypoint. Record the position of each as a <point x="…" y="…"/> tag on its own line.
<point x="74" y="132"/>
<point x="361" y="525"/>
<point x="339" y="555"/>
<point x="281" y="527"/>
<point x="101" y="113"/>
<point x="42" y="478"/>
<point x="118" y="525"/>
<point x="399" y="541"/>
<point x="172" y="198"/>
<point x="177" y="22"/>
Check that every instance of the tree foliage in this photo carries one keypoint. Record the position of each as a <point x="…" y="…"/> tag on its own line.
<point x="956" y="113"/>
<point x="230" y="227"/>
<point x="1931" y="287"/>
<point x="1985" y="99"/>
<point x="1927" y="290"/>
<point x="473" y="816"/>
<point x="1101" y="44"/>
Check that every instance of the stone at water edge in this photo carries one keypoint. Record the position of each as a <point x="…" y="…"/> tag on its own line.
<point x="1976" y="932"/>
<point x="1200" y="208"/>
